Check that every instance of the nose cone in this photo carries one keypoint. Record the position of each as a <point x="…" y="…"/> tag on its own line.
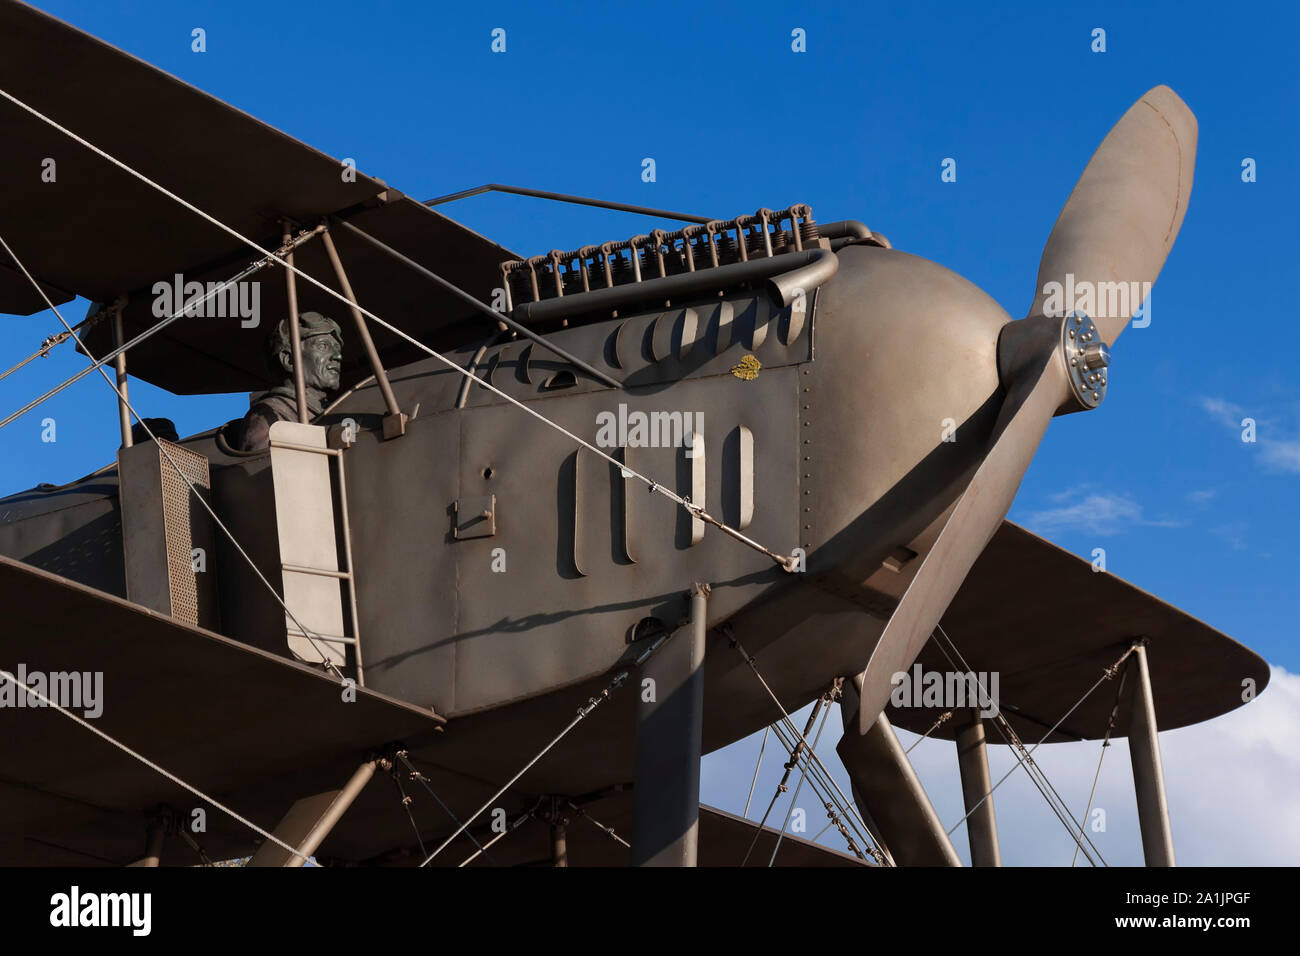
<point x="904" y="391"/>
<point x="1096" y="355"/>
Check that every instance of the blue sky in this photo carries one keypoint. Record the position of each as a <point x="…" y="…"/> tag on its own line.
<point x="857" y="127"/>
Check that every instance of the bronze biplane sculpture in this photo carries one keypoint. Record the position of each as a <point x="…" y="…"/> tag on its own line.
<point x="448" y="576"/>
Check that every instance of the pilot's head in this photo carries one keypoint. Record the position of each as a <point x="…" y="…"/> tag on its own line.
<point x="322" y="350"/>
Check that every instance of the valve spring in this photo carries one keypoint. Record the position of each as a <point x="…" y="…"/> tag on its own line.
<point x="622" y="268"/>
<point x="520" y="289"/>
<point x="546" y="281"/>
<point x="675" y="260"/>
<point x="727" y="251"/>
<point x="700" y="249"/>
<point x="649" y="262"/>
<point x="573" y="280"/>
<point x="808" y="232"/>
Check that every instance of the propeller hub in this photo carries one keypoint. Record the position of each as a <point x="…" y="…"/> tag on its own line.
<point x="1087" y="358"/>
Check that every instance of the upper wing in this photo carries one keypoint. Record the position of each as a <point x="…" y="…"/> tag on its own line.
<point x="83" y="226"/>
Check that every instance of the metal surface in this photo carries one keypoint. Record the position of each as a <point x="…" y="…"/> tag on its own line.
<point x="888" y="789"/>
<point x="973" y="762"/>
<point x="670" y="717"/>
<point x="476" y="517"/>
<point x="1148" y="771"/>
<point x="305" y="528"/>
<point x="167" y="537"/>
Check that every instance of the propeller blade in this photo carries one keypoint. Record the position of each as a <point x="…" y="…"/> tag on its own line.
<point x="1024" y="417"/>
<point x="1124" y="213"/>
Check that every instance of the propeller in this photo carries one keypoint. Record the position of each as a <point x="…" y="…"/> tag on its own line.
<point x="1108" y="246"/>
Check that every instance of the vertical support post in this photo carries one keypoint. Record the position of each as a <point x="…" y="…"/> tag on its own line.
<point x="1148" y="772"/>
<point x="669" y="740"/>
<point x="976" y="786"/>
<point x="156" y="835"/>
<point x="295" y="330"/>
<point x="559" y="834"/>
<point x="119" y="364"/>
<point x="395" y="421"/>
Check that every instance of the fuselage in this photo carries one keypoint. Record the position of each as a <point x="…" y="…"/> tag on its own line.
<point x="844" y="430"/>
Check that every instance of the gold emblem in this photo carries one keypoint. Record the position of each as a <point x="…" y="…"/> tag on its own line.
<point x="747" y="368"/>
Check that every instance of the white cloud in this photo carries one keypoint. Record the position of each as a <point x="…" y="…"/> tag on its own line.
<point x="1103" y="514"/>
<point x="1278" y="453"/>
<point x="1234" y="533"/>
<point x="1233" y="785"/>
<point x="1224" y="412"/>
<point x="1283" y="455"/>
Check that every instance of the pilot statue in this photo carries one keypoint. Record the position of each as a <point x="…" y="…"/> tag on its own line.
<point x="322" y="355"/>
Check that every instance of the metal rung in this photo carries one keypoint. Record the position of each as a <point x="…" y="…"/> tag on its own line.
<point x="294" y="446"/>
<point x="330" y="638"/>
<point x="298" y="568"/>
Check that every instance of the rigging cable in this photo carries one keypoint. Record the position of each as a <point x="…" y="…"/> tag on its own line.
<point x="519" y="821"/>
<point x="758" y="766"/>
<point x="820" y="774"/>
<point x="1036" y="774"/>
<point x="1110" y="727"/>
<point x="47" y="345"/>
<point x="422" y="779"/>
<point x="598" y="825"/>
<point x="406" y="805"/>
<point x="1109" y="673"/>
<point x="583" y="711"/>
<point x="943" y="718"/>
<point x="785" y="778"/>
<point x="827" y="699"/>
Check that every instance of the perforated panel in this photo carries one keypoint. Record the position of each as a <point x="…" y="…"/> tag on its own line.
<point x="178" y="501"/>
